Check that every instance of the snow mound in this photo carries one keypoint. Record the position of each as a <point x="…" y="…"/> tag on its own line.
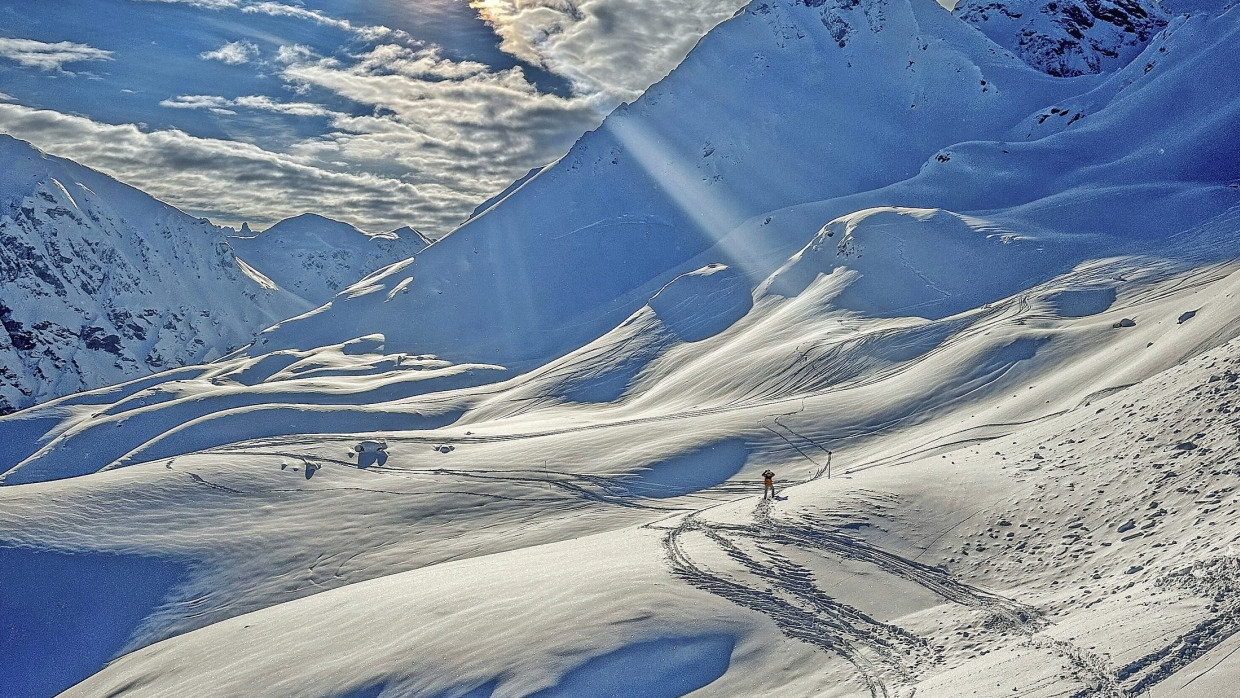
<point x="704" y="302"/>
<point x="370" y="344"/>
<point x="905" y="261"/>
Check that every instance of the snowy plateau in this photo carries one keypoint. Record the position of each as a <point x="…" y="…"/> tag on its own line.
<point x="967" y="281"/>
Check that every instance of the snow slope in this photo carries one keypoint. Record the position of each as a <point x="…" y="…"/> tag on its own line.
<point x="785" y="103"/>
<point x="1014" y="208"/>
<point x="314" y="257"/>
<point x="994" y="366"/>
<point x="304" y="546"/>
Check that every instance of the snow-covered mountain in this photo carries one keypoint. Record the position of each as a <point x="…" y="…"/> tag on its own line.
<point x="786" y="103"/>
<point x="102" y="283"/>
<point x="315" y="257"/>
<point x="1068" y="37"/>
<point x="981" y="321"/>
<point x="823" y="101"/>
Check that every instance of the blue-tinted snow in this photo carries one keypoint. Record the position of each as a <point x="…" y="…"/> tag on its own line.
<point x="63" y="615"/>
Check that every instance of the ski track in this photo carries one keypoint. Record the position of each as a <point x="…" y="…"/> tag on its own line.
<point x="881" y="653"/>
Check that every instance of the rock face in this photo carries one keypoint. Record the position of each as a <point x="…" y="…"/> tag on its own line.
<point x="1066" y="38"/>
<point x="100" y="283"/>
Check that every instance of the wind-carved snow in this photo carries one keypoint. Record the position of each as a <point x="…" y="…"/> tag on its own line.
<point x="702" y="303"/>
<point x="992" y="362"/>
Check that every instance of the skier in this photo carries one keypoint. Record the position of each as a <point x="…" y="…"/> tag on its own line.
<point x="768" y="480"/>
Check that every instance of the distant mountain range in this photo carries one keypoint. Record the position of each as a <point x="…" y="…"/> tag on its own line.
<point x="315" y="257"/>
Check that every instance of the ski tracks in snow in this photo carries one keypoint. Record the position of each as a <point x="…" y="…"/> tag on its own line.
<point x="761" y="576"/>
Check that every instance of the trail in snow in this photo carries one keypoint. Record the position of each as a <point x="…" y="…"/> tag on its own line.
<point x="786" y="592"/>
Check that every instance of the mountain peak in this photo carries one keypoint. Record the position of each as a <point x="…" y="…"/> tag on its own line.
<point x="101" y="282"/>
<point x="312" y="223"/>
<point x="406" y="232"/>
<point x="315" y="257"/>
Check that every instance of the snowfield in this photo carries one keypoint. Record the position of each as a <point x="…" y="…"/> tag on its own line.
<point x="982" y="321"/>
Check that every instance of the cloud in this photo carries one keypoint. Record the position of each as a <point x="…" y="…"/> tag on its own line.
<point x="252" y="102"/>
<point x="438" y="137"/>
<point x="45" y="56"/>
<point x="279" y="9"/>
<point x="201" y="4"/>
<point x="615" y="48"/>
<point x="276" y="9"/>
<point x="226" y="181"/>
<point x="232" y="53"/>
<point x="441" y="137"/>
<point x="459" y="129"/>
<point x="294" y="54"/>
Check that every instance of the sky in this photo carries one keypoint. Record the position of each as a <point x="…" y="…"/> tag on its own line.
<point x="380" y="113"/>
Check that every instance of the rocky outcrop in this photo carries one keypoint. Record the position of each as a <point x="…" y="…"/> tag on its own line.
<point x="1066" y="38"/>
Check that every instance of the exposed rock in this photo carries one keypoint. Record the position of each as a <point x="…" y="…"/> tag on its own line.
<point x="1066" y="38"/>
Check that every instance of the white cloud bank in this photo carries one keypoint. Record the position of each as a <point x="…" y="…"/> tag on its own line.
<point x="264" y="103"/>
<point x="441" y="137"/>
<point x="46" y="56"/>
<point x="214" y="177"/>
<point x="460" y="130"/>
<point x="435" y="136"/>
<point x="617" y="48"/>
